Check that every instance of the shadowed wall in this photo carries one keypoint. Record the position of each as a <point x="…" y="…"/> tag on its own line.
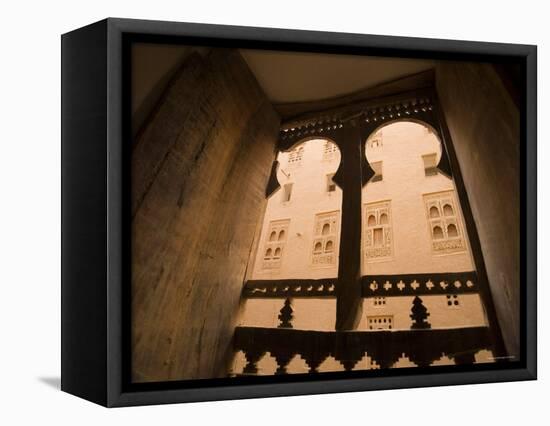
<point x="483" y="121"/>
<point x="199" y="171"/>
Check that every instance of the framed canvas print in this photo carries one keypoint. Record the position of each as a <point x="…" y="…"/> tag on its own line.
<point x="251" y="212"/>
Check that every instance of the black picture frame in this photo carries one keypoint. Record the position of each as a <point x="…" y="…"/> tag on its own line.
<point x="95" y="229"/>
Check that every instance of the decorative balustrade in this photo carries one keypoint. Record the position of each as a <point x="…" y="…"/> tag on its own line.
<point x="419" y="284"/>
<point x="423" y="347"/>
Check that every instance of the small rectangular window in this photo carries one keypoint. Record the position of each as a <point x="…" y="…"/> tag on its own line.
<point x="377" y="167"/>
<point x="287" y="192"/>
<point x="430" y="164"/>
<point x="378" y="237"/>
<point x="331" y="186"/>
<point x="380" y="322"/>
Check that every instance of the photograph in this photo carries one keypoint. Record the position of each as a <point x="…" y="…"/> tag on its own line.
<point x="302" y="213"/>
<point x="277" y="213"/>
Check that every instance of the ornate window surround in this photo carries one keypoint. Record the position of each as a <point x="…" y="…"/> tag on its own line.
<point x="324" y="258"/>
<point x="447" y="245"/>
<point x="371" y="252"/>
<point x="274" y="245"/>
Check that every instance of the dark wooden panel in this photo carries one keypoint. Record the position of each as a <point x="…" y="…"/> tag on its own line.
<point x="290" y="288"/>
<point x="419" y="284"/>
<point x="423" y="347"/>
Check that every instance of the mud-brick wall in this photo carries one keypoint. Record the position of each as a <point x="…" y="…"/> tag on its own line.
<point x="484" y="125"/>
<point x="199" y="171"/>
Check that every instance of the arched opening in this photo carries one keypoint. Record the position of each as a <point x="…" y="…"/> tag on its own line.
<point x="304" y="229"/>
<point x="437" y="232"/>
<point x="434" y="211"/>
<point x="419" y="141"/>
<point x="448" y="210"/>
<point x="406" y="195"/>
<point x="452" y="232"/>
<point x="371" y="220"/>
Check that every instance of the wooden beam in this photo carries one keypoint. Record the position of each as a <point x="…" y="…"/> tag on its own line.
<point x="348" y="177"/>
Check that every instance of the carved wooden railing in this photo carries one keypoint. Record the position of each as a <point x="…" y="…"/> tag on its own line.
<point x="422" y="347"/>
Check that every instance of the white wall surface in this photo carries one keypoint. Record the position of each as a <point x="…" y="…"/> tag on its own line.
<point x="30" y="230"/>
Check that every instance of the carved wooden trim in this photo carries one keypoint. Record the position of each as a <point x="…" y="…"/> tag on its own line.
<point x="368" y="116"/>
<point x="290" y="288"/>
<point x="436" y="283"/>
<point x="419" y="284"/>
<point x="423" y="347"/>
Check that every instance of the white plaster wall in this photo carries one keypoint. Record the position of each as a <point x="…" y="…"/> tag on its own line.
<point x="309" y="313"/>
<point x="469" y="312"/>
<point x="404" y="183"/>
<point x="309" y="198"/>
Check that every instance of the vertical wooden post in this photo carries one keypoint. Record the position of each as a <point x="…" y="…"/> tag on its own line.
<point x="349" y="302"/>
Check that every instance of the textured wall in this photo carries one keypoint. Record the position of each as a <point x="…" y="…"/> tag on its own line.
<point x="404" y="185"/>
<point x="309" y="197"/>
<point x="199" y="172"/>
<point x="484" y="124"/>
